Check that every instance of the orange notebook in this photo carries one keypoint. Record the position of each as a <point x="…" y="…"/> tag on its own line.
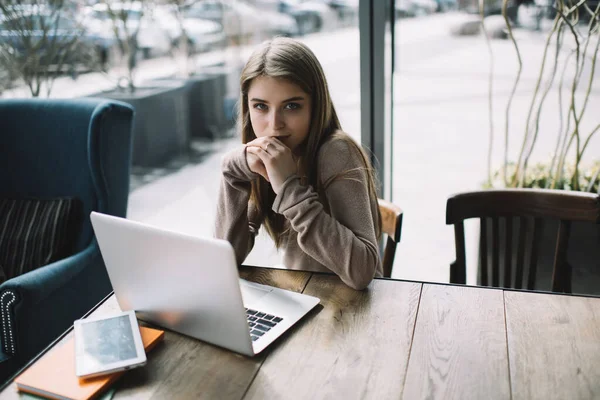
<point x="53" y="376"/>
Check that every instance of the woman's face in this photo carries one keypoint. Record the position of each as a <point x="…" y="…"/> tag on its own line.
<point x="279" y="108"/>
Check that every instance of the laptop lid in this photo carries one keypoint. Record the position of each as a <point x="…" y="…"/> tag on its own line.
<point x="179" y="282"/>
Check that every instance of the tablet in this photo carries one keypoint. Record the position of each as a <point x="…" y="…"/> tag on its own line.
<point x="108" y="344"/>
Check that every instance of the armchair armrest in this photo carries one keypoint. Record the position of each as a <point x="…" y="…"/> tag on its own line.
<point x="38" y="306"/>
<point x="7" y="365"/>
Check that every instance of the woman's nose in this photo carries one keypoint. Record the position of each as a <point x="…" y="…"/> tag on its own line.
<point x="277" y="121"/>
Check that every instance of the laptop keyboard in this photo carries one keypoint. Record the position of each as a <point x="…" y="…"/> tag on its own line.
<point x="260" y="323"/>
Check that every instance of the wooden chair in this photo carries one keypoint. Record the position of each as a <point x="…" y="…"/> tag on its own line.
<point x="391" y="225"/>
<point x="521" y="212"/>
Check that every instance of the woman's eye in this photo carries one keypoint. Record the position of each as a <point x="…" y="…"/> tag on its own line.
<point x="260" y="106"/>
<point x="292" y="106"/>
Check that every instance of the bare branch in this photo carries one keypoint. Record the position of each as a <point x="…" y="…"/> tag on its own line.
<point x="535" y="93"/>
<point x="572" y="108"/>
<point x="514" y="88"/>
<point x="490" y="92"/>
<point x="552" y="181"/>
<point x="126" y="37"/>
<point x="43" y="42"/>
<point x="591" y="29"/>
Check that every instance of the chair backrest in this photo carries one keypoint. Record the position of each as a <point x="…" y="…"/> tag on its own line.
<point x="391" y="225"/>
<point x="67" y="148"/>
<point x="511" y="231"/>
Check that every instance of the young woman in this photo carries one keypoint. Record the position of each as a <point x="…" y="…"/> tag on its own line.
<point x="298" y="174"/>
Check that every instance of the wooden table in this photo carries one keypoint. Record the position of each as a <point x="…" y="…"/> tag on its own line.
<point x="397" y="339"/>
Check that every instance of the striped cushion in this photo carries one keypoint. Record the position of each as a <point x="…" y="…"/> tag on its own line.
<point x="36" y="232"/>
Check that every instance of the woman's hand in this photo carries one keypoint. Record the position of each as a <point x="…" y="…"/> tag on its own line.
<point x="256" y="164"/>
<point x="275" y="160"/>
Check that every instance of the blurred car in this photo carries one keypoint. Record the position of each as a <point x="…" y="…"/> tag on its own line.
<point x="203" y="35"/>
<point x="539" y="9"/>
<point x="57" y="39"/>
<point x="494" y="7"/>
<point x="447" y="5"/>
<point x="347" y="10"/>
<point x="152" y="39"/>
<point x="311" y="15"/>
<point x="242" y="20"/>
<point x="415" y="8"/>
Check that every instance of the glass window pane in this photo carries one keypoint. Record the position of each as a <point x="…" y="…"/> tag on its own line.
<point x="452" y="95"/>
<point x="202" y="46"/>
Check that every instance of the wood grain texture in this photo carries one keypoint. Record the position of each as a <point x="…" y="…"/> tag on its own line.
<point x="553" y="345"/>
<point x="281" y="278"/>
<point x="459" y="346"/>
<point x="185" y="368"/>
<point x="355" y="346"/>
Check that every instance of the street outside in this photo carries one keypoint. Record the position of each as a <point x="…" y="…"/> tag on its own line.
<point x="440" y="138"/>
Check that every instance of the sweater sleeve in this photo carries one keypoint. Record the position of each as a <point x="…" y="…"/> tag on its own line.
<point x="236" y="221"/>
<point x="343" y="240"/>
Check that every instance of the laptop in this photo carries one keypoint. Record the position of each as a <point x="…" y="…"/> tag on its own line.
<point x="191" y="285"/>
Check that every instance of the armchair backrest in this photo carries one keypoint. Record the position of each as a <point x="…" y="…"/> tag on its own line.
<point x="67" y="148"/>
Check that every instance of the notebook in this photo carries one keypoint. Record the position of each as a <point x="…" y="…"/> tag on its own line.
<point x="53" y="376"/>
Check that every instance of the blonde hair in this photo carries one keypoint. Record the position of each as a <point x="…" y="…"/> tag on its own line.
<point x="293" y="61"/>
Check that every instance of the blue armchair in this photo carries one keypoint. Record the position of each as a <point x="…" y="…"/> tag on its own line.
<point x="56" y="148"/>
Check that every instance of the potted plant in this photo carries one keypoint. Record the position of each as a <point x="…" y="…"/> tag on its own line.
<point x="571" y="47"/>
<point x="160" y="128"/>
<point x="206" y="86"/>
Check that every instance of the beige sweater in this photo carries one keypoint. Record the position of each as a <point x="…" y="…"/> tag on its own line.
<point x="342" y="241"/>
